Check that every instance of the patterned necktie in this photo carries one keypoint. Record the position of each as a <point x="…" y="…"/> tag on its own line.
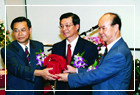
<point x="27" y="55"/>
<point x="68" y="54"/>
<point x="106" y="51"/>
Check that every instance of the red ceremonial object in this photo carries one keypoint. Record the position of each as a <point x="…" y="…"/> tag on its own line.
<point x="57" y="62"/>
<point x="2" y="92"/>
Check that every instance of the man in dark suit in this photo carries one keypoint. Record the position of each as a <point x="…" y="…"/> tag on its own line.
<point x="115" y="67"/>
<point x="22" y="71"/>
<point x="69" y="27"/>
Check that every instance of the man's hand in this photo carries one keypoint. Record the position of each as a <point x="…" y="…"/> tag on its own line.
<point x="70" y="69"/>
<point x="45" y="74"/>
<point x="63" y="77"/>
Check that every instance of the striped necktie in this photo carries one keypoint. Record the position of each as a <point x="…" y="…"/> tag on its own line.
<point x="27" y="55"/>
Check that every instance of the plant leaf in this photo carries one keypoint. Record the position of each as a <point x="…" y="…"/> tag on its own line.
<point x="85" y="61"/>
<point x="95" y="63"/>
<point x="40" y="51"/>
<point x="83" y="53"/>
<point x="72" y="62"/>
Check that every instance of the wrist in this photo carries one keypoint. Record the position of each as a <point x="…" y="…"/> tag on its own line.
<point x="37" y="73"/>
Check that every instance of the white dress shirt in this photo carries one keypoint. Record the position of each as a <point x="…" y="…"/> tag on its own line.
<point x="109" y="46"/>
<point x="23" y="46"/>
<point x="73" y="44"/>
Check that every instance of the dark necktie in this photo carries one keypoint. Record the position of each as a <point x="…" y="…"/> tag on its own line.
<point x="27" y="55"/>
<point x="106" y="51"/>
<point x="68" y="54"/>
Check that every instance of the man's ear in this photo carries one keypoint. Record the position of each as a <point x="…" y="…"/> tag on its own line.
<point x="77" y="26"/>
<point x="116" y="26"/>
<point x="30" y="30"/>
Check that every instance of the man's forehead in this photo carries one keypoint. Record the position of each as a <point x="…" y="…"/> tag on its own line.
<point x="104" y="22"/>
<point x="20" y="25"/>
<point x="66" y="21"/>
<point x="106" y="18"/>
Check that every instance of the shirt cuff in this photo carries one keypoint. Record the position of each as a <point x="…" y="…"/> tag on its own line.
<point x="76" y="70"/>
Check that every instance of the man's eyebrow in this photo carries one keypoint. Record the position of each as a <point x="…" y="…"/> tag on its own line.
<point x="101" y="26"/>
<point x="19" y="28"/>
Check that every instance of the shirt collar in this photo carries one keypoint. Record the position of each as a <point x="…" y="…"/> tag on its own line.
<point x="111" y="44"/>
<point x="73" y="43"/>
<point x="23" y="46"/>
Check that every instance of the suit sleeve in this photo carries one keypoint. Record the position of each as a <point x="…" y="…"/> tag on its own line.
<point x="3" y="54"/>
<point x="106" y="70"/>
<point x="14" y="66"/>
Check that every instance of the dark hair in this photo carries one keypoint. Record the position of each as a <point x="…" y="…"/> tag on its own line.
<point x="116" y="20"/>
<point x="20" y="19"/>
<point x="75" y="18"/>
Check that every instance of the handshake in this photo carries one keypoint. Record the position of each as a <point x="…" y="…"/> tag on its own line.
<point x="47" y="75"/>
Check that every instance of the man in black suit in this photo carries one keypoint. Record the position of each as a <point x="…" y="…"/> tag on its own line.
<point x="22" y="71"/>
<point x="69" y="27"/>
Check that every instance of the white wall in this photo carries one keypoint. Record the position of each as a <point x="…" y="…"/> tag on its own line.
<point x="2" y="10"/>
<point x="137" y="54"/>
<point x="13" y="12"/>
<point x="45" y="19"/>
<point x="128" y="27"/>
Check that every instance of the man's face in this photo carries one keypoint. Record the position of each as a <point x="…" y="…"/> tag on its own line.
<point x="106" y="31"/>
<point x="22" y="32"/>
<point x="68" y="29"/>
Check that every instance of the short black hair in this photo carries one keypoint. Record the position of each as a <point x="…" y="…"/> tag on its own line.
<point x="20" y="19"/>
<point x="75" y="18"/>
<point x="116" y="20"/>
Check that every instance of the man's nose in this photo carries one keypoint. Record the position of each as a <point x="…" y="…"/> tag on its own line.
<point x="20" y="33"/>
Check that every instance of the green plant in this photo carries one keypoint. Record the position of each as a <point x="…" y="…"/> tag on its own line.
<point x="2" y="34"/>
<point x="137" y="67"/>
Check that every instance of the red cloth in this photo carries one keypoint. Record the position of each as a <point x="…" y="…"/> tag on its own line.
<point x="58" y="63"/>
<point x="47" y="88"/>
<point x="2" y="92"/>
<point x="2" y="80"/>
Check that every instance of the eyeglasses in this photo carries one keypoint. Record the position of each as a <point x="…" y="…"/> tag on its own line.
<point x="22" y="30"/>
<point x="67" y="26"/>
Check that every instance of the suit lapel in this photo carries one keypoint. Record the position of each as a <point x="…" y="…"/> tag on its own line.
<point x="115" y="45"/>
<point x="18" y="49"/>
<point x="32" y="54"/>
<point x="78" y="48"/>
<point x="62" y="48"/>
